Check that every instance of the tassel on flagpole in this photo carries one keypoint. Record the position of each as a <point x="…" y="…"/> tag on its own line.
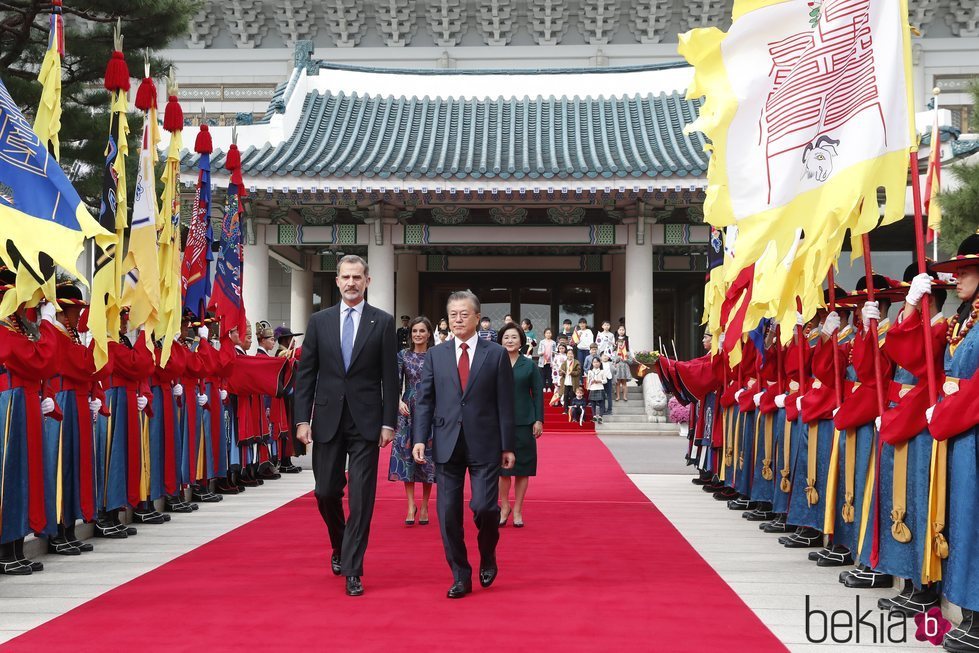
<point x="173" y="115"/>
<point x="117" y="72"/>
<point x="146" y="96"/>
<point x="203" y="144"/>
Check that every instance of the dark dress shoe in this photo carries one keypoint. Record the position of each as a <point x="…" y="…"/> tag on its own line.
<point x="335" y="564"/>
<point x="459" y="589"/>
<point x="290" y="469"/>
<point x="487" y="576"/>
<point x="354" y="586"/>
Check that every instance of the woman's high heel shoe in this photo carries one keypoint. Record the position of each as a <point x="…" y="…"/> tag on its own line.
<point x="410" y="522"/>
<point x="503" y="518"/>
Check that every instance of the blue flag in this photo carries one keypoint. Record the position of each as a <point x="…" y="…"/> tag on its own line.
<point x="196" y="271"/>
<point x="42" y="219"/>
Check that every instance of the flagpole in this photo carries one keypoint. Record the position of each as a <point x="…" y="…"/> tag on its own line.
<point x="836" y="340"/>
<point x="878" y="372"/>
<point x="919" y="240"/>
<point x="936" y="150"/>
<point x="801" y="336"/>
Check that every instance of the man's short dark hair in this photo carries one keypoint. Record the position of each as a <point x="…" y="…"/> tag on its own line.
<point x="353" y="258"/>
<point x="464" y="295"/>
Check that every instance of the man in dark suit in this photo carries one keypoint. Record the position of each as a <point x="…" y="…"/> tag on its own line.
<point x="347" y="403"/>
<point x="464" y="402"/>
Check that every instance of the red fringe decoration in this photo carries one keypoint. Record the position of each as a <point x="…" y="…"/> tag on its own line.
<point x="232" y="162"/>
<point x="146" y="95"/>
<point x="203" y="144"/>
<point x="117" y="73"/>
<point x="173" y="116"/>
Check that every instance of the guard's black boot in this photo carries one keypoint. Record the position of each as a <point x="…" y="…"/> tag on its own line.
<point x="804" y="538"/>
<point x="267" y="472"/>
<point x="145" y="513"/>
<point x="226" y="485"/>
<point x="741" y="503"/>
<point x="109" y="528"/>
<point x="176" y="504"/>
<point x="965" y="638"/>
<point x="9" y="564"/>
<point x="888" y="603"/>
<point x="204" y="495"/>
<point x="84" y="547"/>
<point x="22" y="559"/>
<point x="59" y="544"/>
<point x="835" y="556"/>
<point x="776" y="525"/>
<point x="866" y="578"/>
<point x="919" y="601"/>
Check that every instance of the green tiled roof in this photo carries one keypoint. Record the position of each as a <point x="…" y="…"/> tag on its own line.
<point x="340" y="135"/>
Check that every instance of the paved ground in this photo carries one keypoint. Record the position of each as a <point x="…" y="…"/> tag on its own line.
<point x="773" y="581"/>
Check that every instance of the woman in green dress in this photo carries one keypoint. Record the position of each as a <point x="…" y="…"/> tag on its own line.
<point x="528" y="392"/>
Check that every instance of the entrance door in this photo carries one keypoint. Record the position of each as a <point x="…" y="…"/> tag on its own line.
<point x="544" y="298"/>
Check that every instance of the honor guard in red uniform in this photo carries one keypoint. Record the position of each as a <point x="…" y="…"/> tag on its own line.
<point x="28" y="354"/>
<point x="69" y="442"/>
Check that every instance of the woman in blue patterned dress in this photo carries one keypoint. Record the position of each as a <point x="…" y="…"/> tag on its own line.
<point x="403" y="467"/>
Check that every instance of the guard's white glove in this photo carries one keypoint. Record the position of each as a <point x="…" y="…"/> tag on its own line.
<point x="178" y="390"/>
<point x="177" y="336"/>
<point x="720" y="341"/>
<point x="48" y="311"/>
<point x="800" y="320"/>
<point x="757" y="399"/>
<point x="920" y="286"/>
<point x="203" y="332"/>
<point x="141" y="402"/>
<point x="47" y="405"/>
<point x="870" y="311"/>
<point x="929" y="413"/>
<point x="877" y="423"/>
<point x="831" y="324"/>
<point x="798" y="404"/>
<point x="780" y="401"/>
<point x="94" y="406"/>
<point x="738" y="393"/>
<point x="223" y="393"/>
<point x="201" y="400"/>
<point x="835" y="410"/>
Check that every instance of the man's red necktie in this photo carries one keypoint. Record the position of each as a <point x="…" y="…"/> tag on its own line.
<point x="464" y="366"/>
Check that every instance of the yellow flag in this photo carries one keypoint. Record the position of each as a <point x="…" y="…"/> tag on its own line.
<point x="808" y="111"/>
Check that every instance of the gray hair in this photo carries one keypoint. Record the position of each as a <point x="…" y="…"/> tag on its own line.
<point x="353" y="258"/>
<point x="464" y="295"/>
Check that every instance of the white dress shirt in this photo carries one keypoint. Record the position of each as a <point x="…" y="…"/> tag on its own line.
<point x="355" y="316"/>
<point x="472" y="349"/>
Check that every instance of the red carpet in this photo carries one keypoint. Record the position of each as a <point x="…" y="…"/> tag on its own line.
<point x="597" y="568"/>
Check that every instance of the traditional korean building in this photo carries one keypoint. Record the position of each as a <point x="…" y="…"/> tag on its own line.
<point x="533" y="151"/>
